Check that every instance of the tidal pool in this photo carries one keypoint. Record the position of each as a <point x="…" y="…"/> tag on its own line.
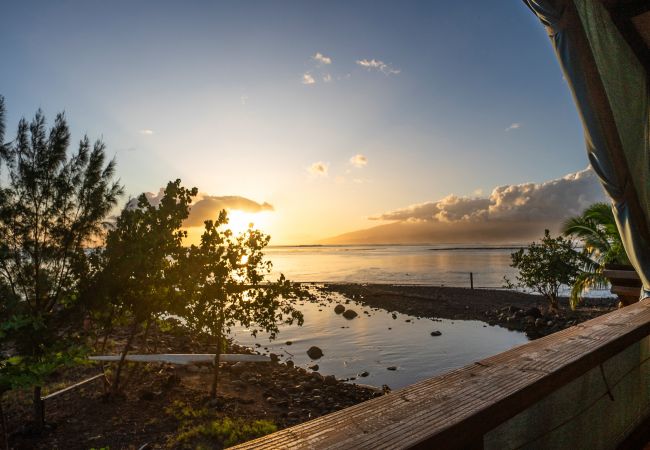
<point x="374" y="341"/>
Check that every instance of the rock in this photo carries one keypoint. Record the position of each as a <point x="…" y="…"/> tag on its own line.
<point x="350" y="314"/>
<point x="238" y="367"/>
<point x="394" y="316"/>
<point x="513" y="309"/>
<point x="314" y="367"/>
<point x="535" y="312"/>
<point x="289" y="342"/>
<point x="330" y="380"/>
<point x="364" y="374"/>
<point x="315" y="352"/>
<point x="391" y="368"/>
<point x="290" y="364"/>
<point x="539" y="322"/>
<point x="274" y="357"/>
<point x="407" y="320"/>
<point x="338" y="309"/>
<point x="146" y="395"/>
<point x="549" y="323"/>
<point x="436" y="333"/>
<point x="171" y="381"/>
<point x="239" y="383"/>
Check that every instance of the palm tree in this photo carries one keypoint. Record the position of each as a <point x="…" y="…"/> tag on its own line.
<point x="596" y="228"/>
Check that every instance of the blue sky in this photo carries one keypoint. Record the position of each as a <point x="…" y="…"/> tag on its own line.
<point x="215" y="93"/>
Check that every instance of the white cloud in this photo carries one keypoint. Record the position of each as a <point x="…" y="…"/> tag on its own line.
<point x="307" y="78"/>
<point x="553" y="200"/>
<point x="319" y="169"/>
<point x="513" y="126"/>
<point x="146" y="132"/>
<point x="322" y="59"/>
<point x="375" y="64"/>
<point x="359" y="160"/>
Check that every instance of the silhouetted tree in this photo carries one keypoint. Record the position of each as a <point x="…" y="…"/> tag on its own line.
<point x="225" y="286"/>
<point x="546" y="266"/>
<point x="52" y="205"/>
<point x="140" y="262"/>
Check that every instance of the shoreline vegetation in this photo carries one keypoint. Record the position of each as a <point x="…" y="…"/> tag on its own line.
<point x="168" y="406"/>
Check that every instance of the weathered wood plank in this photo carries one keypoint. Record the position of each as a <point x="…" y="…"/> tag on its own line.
<point x="621" y="274"/>
<point x="628" y="291"/>
<point x="184" y="358"/>
<point x="455" y="409"/>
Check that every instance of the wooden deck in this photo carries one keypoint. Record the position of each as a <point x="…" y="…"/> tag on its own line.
<point x="457" y="409"/>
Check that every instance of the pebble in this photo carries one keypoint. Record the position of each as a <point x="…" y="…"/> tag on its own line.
<point x="391" y="368"/>
<point x="436" y="333"/>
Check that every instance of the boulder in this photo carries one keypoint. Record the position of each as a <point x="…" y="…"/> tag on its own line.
<point x="314" y="367"/>
<point x="436" y="333"/>
<point x="338" y="309"/>
<point x="315" y="352"/>
<point x="350" y="314"/>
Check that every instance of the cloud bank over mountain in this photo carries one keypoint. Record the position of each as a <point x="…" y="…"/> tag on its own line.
<point x="511" y="213"/>
<point x="207" y="206"/>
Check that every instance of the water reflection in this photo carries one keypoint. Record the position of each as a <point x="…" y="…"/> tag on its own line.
<point x="374" y="341"/>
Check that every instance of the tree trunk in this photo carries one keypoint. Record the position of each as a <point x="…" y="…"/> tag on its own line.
<point x="3" y="423"/>
<point x="120" y="364"/>
<point x="215" y="374"/>
<point x="146" y="333"/>
<point x="39" y="410"/>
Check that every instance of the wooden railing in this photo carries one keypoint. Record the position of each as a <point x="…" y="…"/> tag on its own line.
<point x="584" y="387"/>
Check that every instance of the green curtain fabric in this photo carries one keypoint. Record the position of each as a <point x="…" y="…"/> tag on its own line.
<point x="610" y="88"/>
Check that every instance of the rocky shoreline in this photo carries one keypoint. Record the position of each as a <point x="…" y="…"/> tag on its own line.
<point x="512" y="310"/>
<point x="162" y="403"/>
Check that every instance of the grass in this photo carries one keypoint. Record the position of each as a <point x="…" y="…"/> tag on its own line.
<point x="209" y="433"/>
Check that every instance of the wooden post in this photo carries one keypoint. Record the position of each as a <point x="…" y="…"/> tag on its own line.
<point x="39" y="410"/>
<point x="471" y="280"/>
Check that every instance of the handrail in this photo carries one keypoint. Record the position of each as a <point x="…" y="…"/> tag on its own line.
<point x="456" y="409"/>
<point x="73" y="386"/>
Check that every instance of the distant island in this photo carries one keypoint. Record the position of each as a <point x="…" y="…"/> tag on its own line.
<point x="426" y="233"/>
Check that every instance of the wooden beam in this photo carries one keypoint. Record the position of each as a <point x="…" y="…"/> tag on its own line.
<point x="74" y="386"/>
<point x="184" y="358"/>
<point x="456" y="409"/>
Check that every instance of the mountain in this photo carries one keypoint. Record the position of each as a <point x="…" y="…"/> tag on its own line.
<point x="487" y="232"/>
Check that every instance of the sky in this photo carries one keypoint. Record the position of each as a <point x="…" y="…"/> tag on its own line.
<point x="312" y="119"/>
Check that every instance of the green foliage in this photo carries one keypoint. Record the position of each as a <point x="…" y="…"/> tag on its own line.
<point x="136" y="276"/>
<point x="140" y="263"/>
<point x="225" y="285"/>
<point x="52" y="206"/>
<point x="226" y="431"/>
<point x="545" y="266"/>
<point x="596" y="228"/>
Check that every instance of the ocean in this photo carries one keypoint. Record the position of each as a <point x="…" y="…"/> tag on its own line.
<point x="438" y="265"/>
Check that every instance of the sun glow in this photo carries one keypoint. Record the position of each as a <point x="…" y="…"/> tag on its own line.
<point x="239" y="221"/>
